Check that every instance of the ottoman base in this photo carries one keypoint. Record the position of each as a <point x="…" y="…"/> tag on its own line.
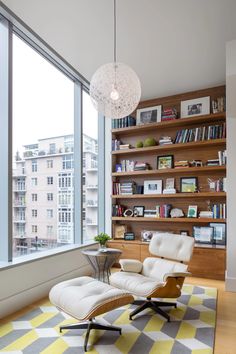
<point x="89" y="325"/>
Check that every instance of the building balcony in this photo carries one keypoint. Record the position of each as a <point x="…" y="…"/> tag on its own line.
<point x="90" y="186"/>
<point x="19" y="221"/>
<point x="46" y="153"/>
<point x="19" y="204"/>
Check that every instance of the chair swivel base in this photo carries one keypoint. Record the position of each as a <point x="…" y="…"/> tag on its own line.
<point x="89" y="325"/>
<point x="154" y="305"/>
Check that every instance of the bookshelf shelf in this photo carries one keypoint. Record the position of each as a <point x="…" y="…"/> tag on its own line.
<point x="171" y="196"/>
<point x="169" y="220"/>
<point x="181" y="122"/>
<point x="172" y="147"/>
<point x="168" y="171"/>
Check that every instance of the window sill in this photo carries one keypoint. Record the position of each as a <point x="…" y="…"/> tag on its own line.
<point x="43" y="254"/>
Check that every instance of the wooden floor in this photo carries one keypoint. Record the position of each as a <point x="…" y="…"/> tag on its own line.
<point x="225" y="342"/>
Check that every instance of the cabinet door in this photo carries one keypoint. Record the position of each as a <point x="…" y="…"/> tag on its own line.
<point x="129" y="250"/>
<point x="145" y="252"/>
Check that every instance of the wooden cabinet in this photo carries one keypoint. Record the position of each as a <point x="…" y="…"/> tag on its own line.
<point x="205" y="263"/>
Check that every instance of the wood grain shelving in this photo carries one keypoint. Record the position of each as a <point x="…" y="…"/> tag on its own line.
<point x="169" y="220"/>
<point x="171" y="196"/>
<point x="181" y="122"/>
<point x="168" y="171"/>
<point x="172" y="147"/>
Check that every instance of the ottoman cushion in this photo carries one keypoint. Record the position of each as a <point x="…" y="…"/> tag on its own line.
<point x="84" y="297"/>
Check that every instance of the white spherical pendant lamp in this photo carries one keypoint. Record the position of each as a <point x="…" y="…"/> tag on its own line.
<point x="115" y="88"/>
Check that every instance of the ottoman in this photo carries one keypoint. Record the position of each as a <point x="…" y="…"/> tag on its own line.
<point x="84" y="298"/>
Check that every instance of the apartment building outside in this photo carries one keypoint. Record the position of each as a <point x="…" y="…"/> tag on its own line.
<point x="43" y="194"/>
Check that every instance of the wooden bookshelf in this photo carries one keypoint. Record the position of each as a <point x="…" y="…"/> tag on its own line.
<point x="177" y="123"/>
<point x="172" y="147"/>
<point x="171" y="196"/>
<point x="197" y="150"/>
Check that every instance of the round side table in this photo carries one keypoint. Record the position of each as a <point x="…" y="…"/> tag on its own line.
<point x="102" y="261"/>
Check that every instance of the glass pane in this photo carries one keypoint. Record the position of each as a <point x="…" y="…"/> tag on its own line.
<point x="90" y="169"/>
<point x="43" y="159"/>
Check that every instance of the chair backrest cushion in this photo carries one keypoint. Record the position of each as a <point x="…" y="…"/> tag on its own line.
<point x="172" y="246"/>
<point x="157" y="268"/>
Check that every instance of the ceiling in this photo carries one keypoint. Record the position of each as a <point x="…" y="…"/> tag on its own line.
<point x="174" y="46"/>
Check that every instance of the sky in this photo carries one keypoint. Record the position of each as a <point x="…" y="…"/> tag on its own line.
<point x="43" y="99"/>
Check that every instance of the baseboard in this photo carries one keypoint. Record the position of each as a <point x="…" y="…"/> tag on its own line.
<point x="29" y="296"/>
<point x="230" y="283"/>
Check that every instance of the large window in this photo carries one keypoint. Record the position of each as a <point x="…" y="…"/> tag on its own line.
<point x="51" y="193"/>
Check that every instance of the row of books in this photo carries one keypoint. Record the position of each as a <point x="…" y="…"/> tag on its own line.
<point x="117" y="210"/>
<point x="125" y="188"/>
<point x="219" y="211"/>
<point x="130" y="165"/>
<point x="163" y="211"/>
<point x="165" y="140"/>
<point x="123" y="122"/>
<point x="201" y="133"/>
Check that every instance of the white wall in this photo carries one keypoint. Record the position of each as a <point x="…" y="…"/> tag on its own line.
<point x="23" y="284"/>
<point x="231" y="164"/>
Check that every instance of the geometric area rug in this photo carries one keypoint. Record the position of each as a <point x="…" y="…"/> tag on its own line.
<point x="191" y="329"/>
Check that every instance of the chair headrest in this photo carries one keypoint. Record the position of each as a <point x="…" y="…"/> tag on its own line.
<point x="172" y="246"/>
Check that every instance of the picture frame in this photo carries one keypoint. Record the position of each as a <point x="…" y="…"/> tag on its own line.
<point x="153" y="187"/>
<point x="219" y="233"/>
<point x="203" y="234"/>
<point x="138" y="211"/>
<point x="148" y="115"/>
<point x="119" y="231"/>
<point x="195" y="107"/>
<point x="192" y="211"/>
<point x="129" y="236"/>
<point x="188" y="184"/>
<point x="118" y="167"/>
<point x="170" y="183"/>
<point x="165" y="161"/>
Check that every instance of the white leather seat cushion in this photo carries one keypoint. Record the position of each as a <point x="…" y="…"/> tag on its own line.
<point x="79" y="296"/>
<point x="156" y="268"/>
<point x="135" y="283"/>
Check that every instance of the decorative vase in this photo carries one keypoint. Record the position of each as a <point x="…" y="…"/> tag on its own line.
<point x="102" y="247"/>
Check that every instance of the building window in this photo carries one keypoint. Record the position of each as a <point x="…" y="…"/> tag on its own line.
<point x="49" y="230"/>
<point x="49" y="163"/>
<point x="34" y="213"/>
<point x="68" y="162"/>
<point x="34" y="229"/>
<point x="65" y="198"/>
<point x="34" y="181"/>
<point x="65" y="235"/>
<point x="34" y="166"/>
<point x="52" y="148"/>
<point x="65" y="216"/>
<point x="49" y="213"/>
<point x="49" y="180"/>
<point x="65" y="180"/>
<point x="34" y="197"/>
<point x="49" y="196"/>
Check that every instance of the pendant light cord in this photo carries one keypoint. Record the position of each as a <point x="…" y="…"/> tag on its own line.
<point x="114" y="31"/>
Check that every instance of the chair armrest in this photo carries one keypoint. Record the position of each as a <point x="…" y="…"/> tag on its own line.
<point x="176" y="275"/>
<point x="131" y="265"/>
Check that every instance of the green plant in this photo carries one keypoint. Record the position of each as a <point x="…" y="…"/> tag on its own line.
<point x="139" y="144"/>
<point x="149" y="142"/>
<point x="102" y="238"/>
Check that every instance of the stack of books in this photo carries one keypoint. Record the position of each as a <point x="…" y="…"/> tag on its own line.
<point x="219" y="211"/>
<point x="181" y="164"/>
<point x="127" y="165"/>
<point x="125" y="188"/>
<point x="141" y="166"/>
<point x="163" y="211"/>
<point x="124" y="146"/>
<point x="213" y="162"/>
<point x="151" y="213"/>
<point x="206" y="214"/>
<point x="222" y="157"/>
<point x="201" y="133"/>
<point x="117" y="210"/>
<point x="169" y="114"/>
<point x="123" y="122"/>
<point x="165" y="140"/>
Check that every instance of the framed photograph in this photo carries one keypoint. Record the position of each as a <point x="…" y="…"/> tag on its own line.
<point x="184" y="232"/>
<point x="129" y="236"/>
<point x="203" y="234"/>
<point x="148" y="115"/>
<point x="138" y="211"/>
<point x="219" y="233"/>
<point x="196" y="107"/>
<point x="119" y="231"/>
<point x="170" y="183"/>
<point x="153" y="187"/>
<point x="192" y="211"/>
<point x="165" y="162"/>
<point x="188" y="184"/>
<point x="118" y="167"/>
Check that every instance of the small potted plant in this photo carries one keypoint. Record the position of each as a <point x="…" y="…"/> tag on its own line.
<point x="102" y="238"/>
